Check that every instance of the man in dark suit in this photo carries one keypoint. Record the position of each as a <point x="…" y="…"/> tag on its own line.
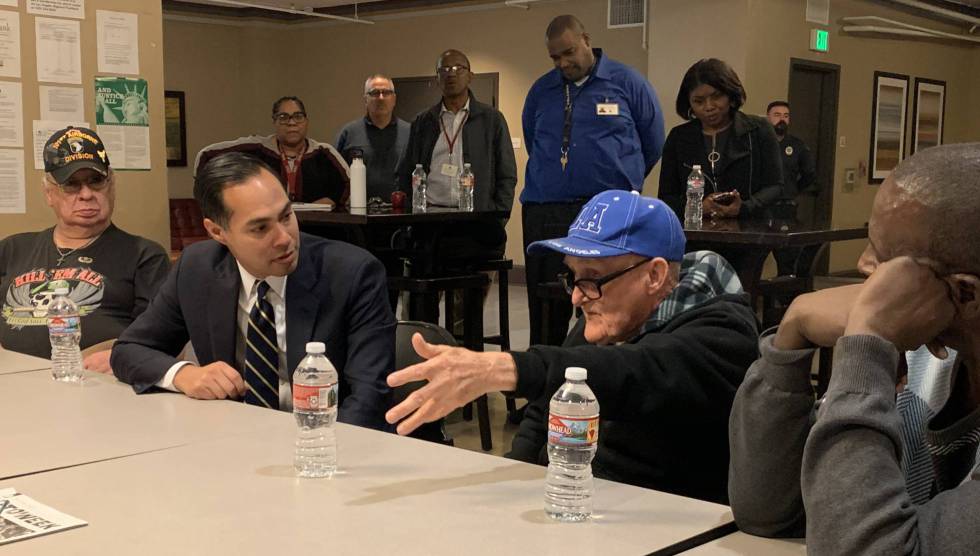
<point x="229" y="298"/>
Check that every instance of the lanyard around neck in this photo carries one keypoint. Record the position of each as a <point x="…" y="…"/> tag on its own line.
<point x="442" y="125"/>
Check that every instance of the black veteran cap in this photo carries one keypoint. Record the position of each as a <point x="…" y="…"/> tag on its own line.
<point x="72" y="149"/>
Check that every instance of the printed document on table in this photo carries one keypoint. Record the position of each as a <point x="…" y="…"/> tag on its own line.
<point x="12" y="181"/>
<point x="58" y="53"/>
<point x="118" y="42"/>
<point x="62" y="103"/>
<point x="22" y="517"/>
<point x="43" y="130"/>
<point x="9" y="44"/>
<point x="57" y="8"/>
<point x="11" y="114"/>
<point x="8" y="3"/>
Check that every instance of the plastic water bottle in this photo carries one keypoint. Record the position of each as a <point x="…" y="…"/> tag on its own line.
<point x="358" y="182"/>
<point x="467" y="182"/>
<point x="573" y="431"/>
<point x="418" y="189"/>
<point x="65" y="331"/>
<point x="315" y="401"/>
<point x="695" y="193"/>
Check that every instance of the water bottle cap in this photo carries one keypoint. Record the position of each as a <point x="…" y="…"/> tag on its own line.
<point x="696" y="167"/>
<point x="418" y="165"/>
<point x="315" y="347"/>
<point x="576" y="373"/>
<point x="61" y="291"/>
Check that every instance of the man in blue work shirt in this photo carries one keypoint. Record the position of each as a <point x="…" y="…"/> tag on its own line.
<point x="590" y="124"/>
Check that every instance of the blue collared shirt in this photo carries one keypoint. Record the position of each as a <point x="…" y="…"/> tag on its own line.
<point x="611" y="151"/>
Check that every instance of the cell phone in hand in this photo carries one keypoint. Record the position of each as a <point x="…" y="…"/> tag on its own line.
<point x="726" y="198"/>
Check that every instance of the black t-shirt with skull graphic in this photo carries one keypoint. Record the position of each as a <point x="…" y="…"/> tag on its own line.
<point x="112" y="281"/>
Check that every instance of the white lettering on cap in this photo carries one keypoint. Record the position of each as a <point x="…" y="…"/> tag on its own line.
<point x="590" y="219"/>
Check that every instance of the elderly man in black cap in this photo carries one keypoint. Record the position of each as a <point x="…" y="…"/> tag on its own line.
<point x="111" y="275"/>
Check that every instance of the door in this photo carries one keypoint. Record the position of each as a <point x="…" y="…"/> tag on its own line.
<point x="813" y="95"/>
<point x="417" y="94"/>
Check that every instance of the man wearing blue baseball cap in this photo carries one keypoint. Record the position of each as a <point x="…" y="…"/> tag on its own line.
<point x="666" y="337"/>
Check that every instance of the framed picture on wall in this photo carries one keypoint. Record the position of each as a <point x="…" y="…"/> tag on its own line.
<point x="176" y="128"/>
<point x="929" y="112"/>
<point x="888" y="109"/>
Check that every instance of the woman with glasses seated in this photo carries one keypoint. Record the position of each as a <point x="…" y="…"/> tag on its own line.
<point x="111" y="275"/>
<point x="311" y="171"/>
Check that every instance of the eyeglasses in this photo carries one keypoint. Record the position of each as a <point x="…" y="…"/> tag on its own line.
<point x="591" y="288"/>
<point x="451" y="70"/>
<point x="97" y="182"/>
<point x="378" y="93"/>
<point x="283" y="118"/>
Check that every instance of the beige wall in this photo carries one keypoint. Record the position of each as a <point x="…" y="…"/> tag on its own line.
<point x="141" y="197"/>
<point x="325" y="65"/>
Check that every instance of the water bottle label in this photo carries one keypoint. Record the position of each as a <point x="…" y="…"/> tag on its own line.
<point x="63" y="325"/>
<point x="573" y="431"/>
<point x="314" y="397"/>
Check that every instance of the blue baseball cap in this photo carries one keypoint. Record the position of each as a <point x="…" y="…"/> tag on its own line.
<point x="619" y="222"/>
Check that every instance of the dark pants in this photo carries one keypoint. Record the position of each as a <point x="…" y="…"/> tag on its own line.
<point x="546" y="221"/>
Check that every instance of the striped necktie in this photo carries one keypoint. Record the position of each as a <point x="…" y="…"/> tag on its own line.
<point x="262" y="353"/>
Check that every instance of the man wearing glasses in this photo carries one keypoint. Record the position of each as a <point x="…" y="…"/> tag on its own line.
<point x="380" y="137"/>
<point x="311" y="171"/>
<point x="458" y="130"/>
<point x="666" y="338"/>
<point x="110" y="274"/>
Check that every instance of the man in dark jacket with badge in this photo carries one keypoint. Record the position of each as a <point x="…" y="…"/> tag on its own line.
<point x="666" y="338"/>
<point x="799" y="176"/>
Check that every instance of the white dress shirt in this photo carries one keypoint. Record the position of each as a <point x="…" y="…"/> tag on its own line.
<point x="247" y="295"/>
<point x="442" y="189"/>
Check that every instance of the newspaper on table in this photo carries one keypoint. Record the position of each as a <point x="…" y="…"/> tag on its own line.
<point x="22" y="517"/>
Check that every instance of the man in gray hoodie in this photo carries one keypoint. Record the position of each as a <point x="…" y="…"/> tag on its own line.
<point x="847" y="469"/>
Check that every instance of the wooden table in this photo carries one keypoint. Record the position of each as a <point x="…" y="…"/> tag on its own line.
<point x="15" y="362"/>
<point x="747" y="243"/>
<point x="394" y="495"/>
<point x="52" y="424"/>
<point x="742" y="544"/>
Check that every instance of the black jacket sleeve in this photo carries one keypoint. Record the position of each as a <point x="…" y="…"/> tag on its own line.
<point x="505" y="171"/>
<point x="412" y="156"/>
<point x="662" y="371"/>
<point x="149" y="346"/>
<point x="767" y="184"/>
<point x="672" y="190"/>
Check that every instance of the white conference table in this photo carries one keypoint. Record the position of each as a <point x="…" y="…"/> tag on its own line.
<point x="742" y="544"/>
<point x="50" y="424"/>
<point x="394" y="495"/>
<point x="14" y="362"/>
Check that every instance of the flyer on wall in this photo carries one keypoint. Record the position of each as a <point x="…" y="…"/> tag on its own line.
<point x="122" y="120"/>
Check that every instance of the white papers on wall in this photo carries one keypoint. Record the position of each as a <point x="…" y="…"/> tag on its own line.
<point x="9" y="44"/>
<point x="58" y="51"/>
<point x="43" y="130"/>
<point x="62" y="103"/>
<point x="122" y="118"/>
<point x="12" y="181"/>
<point x="57" y="8"/>
<point x="11" y="114"/>
<point x="118" y="42"/>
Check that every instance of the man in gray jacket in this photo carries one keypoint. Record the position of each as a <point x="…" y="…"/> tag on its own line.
<point x="839" y="468"/>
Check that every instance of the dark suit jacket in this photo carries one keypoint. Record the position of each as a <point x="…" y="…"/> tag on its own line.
<point x="749" y="164"/>
<point x="336" y="295"/>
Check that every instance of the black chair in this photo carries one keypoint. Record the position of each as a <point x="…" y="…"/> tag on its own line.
<point x="551" y="294"/>
<point x="777" y="293"/>
<point x="405" y="355"/>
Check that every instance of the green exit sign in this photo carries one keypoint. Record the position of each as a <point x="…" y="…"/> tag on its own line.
<point x="819" y="40"/>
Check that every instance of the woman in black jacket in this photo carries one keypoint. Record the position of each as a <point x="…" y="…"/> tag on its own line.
<point x="738" y="153"/>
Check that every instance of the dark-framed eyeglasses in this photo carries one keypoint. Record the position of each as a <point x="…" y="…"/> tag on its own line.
<point x="96" y="182"/>
<point x="451" y="70"/>
<point x="283" y="118"/>
<point x="591" y="288"/>
<point x="378" y="93"/>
